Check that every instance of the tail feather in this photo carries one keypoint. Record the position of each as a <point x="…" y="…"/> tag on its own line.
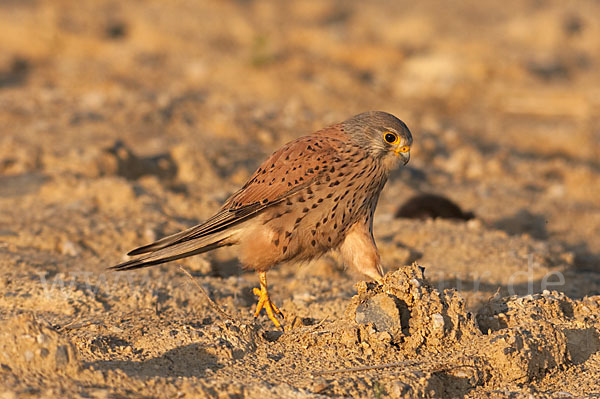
<point x="216" y="226"/>
<point x="162" y="243"/>
<point x="177" y="251"/>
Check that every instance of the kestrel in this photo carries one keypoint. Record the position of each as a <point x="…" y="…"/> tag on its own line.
<point x="315" y="194"/>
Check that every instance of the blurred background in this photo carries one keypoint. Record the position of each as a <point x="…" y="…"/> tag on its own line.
<point x="124" y="121"/>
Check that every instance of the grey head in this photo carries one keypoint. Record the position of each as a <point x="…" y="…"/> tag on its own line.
<point x="385" y="137"/>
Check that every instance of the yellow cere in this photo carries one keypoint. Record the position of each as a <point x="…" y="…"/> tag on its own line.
<point x="404" y="148"/>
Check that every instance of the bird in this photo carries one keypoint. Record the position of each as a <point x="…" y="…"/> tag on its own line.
<point x="315" y="194"/>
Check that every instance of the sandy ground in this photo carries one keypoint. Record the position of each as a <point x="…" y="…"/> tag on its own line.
<point x="121" y="122"/>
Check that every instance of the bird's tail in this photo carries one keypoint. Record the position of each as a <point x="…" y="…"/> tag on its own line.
<point x="176" y="249"/>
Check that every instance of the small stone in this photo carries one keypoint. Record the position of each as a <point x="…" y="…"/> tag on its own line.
<point x="380" y="310"/>
<point x="474" y="224"/>
<point x="437" y="320"/>
<point x="149" y="235"/>
<point x="69" y="248"/>
<point x="42" y="339"/>
<point x="28" y="356"/>
<point x="62" y="356"/>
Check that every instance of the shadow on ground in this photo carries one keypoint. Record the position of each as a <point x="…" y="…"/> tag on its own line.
<point x="185" y="361"/>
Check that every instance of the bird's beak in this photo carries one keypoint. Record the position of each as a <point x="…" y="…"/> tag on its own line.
<point x="404" y="153"/>
<point x="405" y="157"/>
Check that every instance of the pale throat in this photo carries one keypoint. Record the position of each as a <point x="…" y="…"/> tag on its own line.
<point x="390" y="161"/>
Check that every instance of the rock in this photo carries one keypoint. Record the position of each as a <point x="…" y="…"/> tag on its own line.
<point x="382" y="311"/>
<point x="437" y="321"/>
<point x="61" y="356"/>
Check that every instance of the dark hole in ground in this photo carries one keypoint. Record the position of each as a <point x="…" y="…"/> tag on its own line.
<point x="424" y="206"/>
<point x="16" y="73"/>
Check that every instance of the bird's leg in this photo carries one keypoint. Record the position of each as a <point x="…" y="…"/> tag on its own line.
<point x="360" y="252"/>
<point x="264" y="301"/>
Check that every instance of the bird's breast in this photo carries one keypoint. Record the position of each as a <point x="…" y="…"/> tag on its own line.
<point x="316" y="219"/>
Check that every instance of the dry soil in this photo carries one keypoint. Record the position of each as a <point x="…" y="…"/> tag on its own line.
<point x="121" y="122"/>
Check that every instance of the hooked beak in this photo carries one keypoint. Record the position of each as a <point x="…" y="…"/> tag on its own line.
<point x="405" y="157"/>
<point x="404" y="153"/>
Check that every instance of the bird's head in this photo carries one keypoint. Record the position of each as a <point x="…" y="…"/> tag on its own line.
<point x="382" y="135"/>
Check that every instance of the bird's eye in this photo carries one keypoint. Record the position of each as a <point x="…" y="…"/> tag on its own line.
<point x="391" y="138"/>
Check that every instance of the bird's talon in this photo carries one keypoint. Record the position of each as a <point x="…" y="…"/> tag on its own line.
<point x="264" y="302"/>
<point x="277" y="311"/>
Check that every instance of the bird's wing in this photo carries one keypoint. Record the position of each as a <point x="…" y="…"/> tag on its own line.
<point x="287" y="171"/>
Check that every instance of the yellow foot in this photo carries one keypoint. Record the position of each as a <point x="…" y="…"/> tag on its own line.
<point x="265" y="302"/>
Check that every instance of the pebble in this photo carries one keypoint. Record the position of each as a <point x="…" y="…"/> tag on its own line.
<point x="437" y="321"/>
<point x="42" y="339"/>
<point x="62" y="355"/>
<point x="28" y="356"/>
<point x="381" y="311"/>
<point x="67" y="247"/>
